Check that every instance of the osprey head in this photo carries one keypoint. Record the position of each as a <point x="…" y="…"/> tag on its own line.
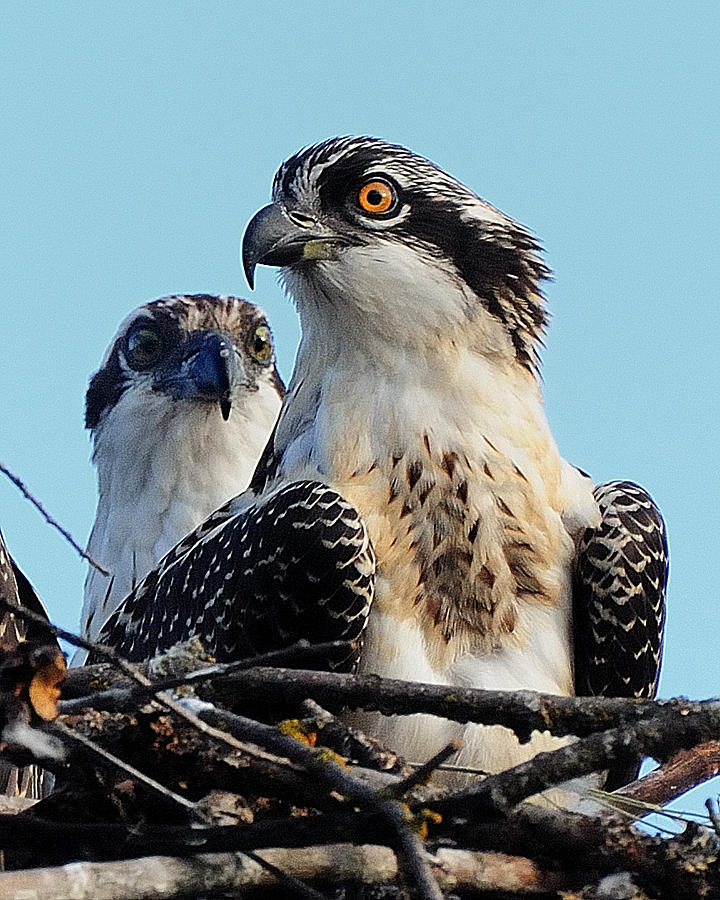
<point x="193" y="349"/>
<point x="399" y="245"/>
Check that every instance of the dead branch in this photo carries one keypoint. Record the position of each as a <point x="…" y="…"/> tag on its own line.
<point x="713" y="809"/>
<point x="660" y="736"/>
<point x="680" y="773"/>
<point x="521" y="711"/>
<point x="86" y="684"/>
<point x="49" y="519"/>
<point x="161" y="877"/>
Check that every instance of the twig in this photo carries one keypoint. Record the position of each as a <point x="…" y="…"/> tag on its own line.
<point x="115" y="762"/>
<point x="121" y="698"/>
<point x="71" y="637"/>
<point x="423" y="772"/>
<point x="712" y="807"/>
<point x="299" y="887"/>
<point x="50" y="520"/>
<point x="335" y="778"/>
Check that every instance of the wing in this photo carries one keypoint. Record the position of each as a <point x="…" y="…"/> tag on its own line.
<point x="298" y="564"/>
<point x="10" y="627"/>
<point x="27" y="783"/>
<point x="619" y="596"/>
<point x="619" y="601"/>
<point x="16" y="590"/>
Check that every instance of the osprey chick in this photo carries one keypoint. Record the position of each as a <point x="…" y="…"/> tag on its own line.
<point x="179" y="411"/>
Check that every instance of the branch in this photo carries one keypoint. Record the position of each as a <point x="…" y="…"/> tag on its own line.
<point x="50" y="520"/>
<point x="120" y="698"/>
<point x="335" y="778"/>
<point x="667" y="732"/>
<point x="71" y="637"/>
<point x="521" y="711"/>
<point x="423" y="773"/>
<point x="683" y="771"/>
<point x="164" y="877"/>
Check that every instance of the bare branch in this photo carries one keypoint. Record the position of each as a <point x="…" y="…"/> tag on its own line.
<point x="521" y="711"/>
<point x="161" y="877"/>
<point x="423" y="772"/>
<point x="663" y="734"/>
<point x="680" y="773"/>
<point x="122" y="698"/>
<point x="336" y="778"/>
<point x="714" y="813"/>
<point x="71" y="637"/>
<point x="50" y="520"/>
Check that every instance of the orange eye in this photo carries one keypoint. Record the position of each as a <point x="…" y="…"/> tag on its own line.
<point x="377" y="197"/>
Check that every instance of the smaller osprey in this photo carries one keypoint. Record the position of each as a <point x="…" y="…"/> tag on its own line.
<point x="180" y="410"/>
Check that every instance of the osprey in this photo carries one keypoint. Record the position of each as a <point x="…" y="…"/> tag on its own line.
<point x="19" y="639"/>
<point x="179" y="411"/>
<point x="416" y="402"/>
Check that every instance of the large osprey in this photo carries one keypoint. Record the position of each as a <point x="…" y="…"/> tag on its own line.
<point x="416" y="402"/>
<point x="179" y="411"/>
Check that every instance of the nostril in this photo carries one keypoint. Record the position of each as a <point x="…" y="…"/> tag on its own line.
<point x="301" y="219"/>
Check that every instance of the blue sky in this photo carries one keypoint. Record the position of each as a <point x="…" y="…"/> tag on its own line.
<point x="139" y="138"/>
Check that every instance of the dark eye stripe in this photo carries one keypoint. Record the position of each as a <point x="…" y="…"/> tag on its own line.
<point x="105" y="389"/>
<point x="109" y="383"/>
<point x="344" y="177"/>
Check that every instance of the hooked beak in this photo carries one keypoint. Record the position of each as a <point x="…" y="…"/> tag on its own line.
<point x="209" y="369"/>
<point x="276" y="238"/>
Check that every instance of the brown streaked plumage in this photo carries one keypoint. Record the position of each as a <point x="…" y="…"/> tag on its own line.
<point x="416" y="399"/>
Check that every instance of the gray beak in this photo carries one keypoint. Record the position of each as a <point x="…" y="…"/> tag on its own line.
<point x="272" y="239"/>
<point x="275" y="237"/>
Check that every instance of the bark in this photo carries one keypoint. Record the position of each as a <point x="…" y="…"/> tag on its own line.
<point x="160" y="877"/>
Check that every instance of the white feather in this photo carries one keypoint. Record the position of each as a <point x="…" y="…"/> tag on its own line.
<point x="163" y="467"/>
<point x="403" y="350"/>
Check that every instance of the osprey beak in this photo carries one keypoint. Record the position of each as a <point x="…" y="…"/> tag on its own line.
<point x="209" y="370"/>
<point x="275" y="237"/>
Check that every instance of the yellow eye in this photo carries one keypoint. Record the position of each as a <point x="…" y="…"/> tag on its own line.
<point x="261" y="346"/>
<point x="377" y="197"/>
